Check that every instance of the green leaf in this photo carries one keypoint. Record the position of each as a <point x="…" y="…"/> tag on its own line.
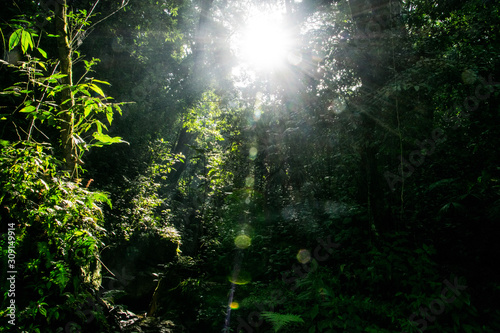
<point x="26" y="41"/>
<point x="109" y="116"/>
<point x="41" y="64"/>
<point x="102" y="197"/>
<point x="43" y="53"/>
<point x="42" y="310"/>
<point x="28" y="109"/>
<point x="54" y="78"/>
<point x="105" y="139"/>
<point x="441" y="183"/>
<point x="96" y="89"/>
<point x="15" y="38"/>
<point x="314" y="311"/>
<point x="119" y="109"/>
<point x="87" y="110"/>
<point x="85" y="92"/>
<point x="103" y="82"/>
<point x="21" y="21"/>
<point x="109" y="113"/>
<point x="279" y="320"/>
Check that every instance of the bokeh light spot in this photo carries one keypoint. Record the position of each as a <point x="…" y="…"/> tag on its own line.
<point x="242" y="241"/>
<point x="256" y="114"/>
<point x="234" y="305"/>
<point x="249" y="181"/>
<point x="252" y="153"/>
<point x="304" y="256"/>
<point x="338" y="105"/>
<point x="469" y="76"/>
<point x="243" y="277"/>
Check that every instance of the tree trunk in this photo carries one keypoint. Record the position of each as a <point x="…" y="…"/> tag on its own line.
<point x="66" y="97"/>
<point x="374" y="66"/>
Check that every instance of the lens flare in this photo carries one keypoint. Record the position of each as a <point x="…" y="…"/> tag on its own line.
<point x="242" y="241"/>
<point x="241" y="278"/>
<point x="249" y="181"/>
<point x="304" y="256"/>
<point x="252" y="153"/>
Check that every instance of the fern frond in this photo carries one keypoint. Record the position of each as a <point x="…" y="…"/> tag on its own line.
<point x="279" y="320"/>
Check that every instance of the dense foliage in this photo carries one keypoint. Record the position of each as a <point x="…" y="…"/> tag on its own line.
<point x="354" y="188"/>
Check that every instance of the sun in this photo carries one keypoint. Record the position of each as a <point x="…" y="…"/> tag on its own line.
<point x="264" y="42"/>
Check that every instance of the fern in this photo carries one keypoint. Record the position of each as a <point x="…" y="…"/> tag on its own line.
<point x="280" y="320"/>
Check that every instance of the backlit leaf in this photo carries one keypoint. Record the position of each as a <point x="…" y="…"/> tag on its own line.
<point x="28" y="109"/>
<point x="42" y="52"/>
<point x="105" y="139"/>
<point x="87" y="110"/>
<point x="103" y="82"/>
<point x="26" y="41"/>
<point x="15" y="38"/>
<point x="96" y="89"/>
<point x="109" y="114"/>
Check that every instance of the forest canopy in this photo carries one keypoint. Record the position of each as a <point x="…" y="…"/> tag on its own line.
<point x="250" y="166"/>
